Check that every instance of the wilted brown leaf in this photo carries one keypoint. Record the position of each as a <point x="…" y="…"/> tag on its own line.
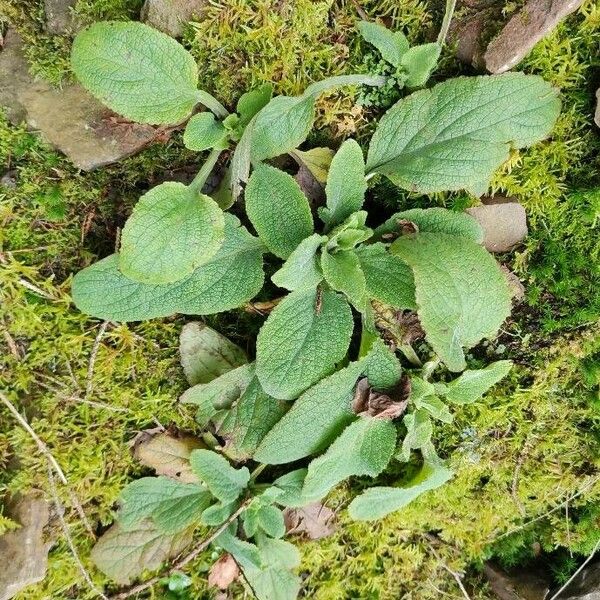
<point x="223" y="572"/>
<point x="382" y="405"/>
<point x="313" y="521"/>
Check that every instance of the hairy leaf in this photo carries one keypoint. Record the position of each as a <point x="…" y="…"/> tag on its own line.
<point x="301" y="341"/>
<point x="302" y="269"/>
<point x="231" y="277"/>
<point x="171" y="505"/>
<point x="419" y="430"/>
<point x="218" y="513"/>
<point x="224" y="482"/>
<point x="462" y="295"/>
<point x="435" y="407"/>
<point x="364" y="448"/>
<point x="388" y="278"/>
<point x="136" y="71"/>
<point x="419" y="62"/>
<point x="342" y="271"/>
<point x="314" y="420"/>
<point x="278" y="210"/>
<point x="316" y="160"/>
<point x="377" y="502"/>
<point x="473" y="384"/>
<point x="253" y="101"/>
<point x="346" y="184"/>
<point x="392" y="45"/>
<point x="171" y="232"/>
<point x="203" y="131"/>
<point x="455" y="135"/>
<point x="287" y="489"/>
<point x="382" y="367"/>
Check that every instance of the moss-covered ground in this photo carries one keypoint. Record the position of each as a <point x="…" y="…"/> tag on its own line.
<point x="526" y="457"/>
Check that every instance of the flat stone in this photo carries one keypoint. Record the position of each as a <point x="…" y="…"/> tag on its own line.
<point x="522" y="584"/>
<point x="524" y="30"/>
<point x="59" y="15"/>
<point x="467" y="34"/>
<point x="24" y="552"/>
<point x="171" y="16"/>
<point x="504" y="223"/>
<point x="70" y="118"/>
<point x="586" y="586"/>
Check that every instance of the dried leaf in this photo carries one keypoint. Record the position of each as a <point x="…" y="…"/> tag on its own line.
<point x="167" y="453"/>
<point x="223" y="572"/>
<point x="313" y="521"/>
<point x="388" y="405"/>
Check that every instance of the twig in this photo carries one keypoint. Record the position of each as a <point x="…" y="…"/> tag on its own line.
<point x="89" y="386"/>
<point x="12" y="345"/>
<point x="182" y="562"/>
<point x="450" y="6"/>
<point x="515" y="480"/>
<point x="583" y="565"/>
<point x="360" y="10"/>
<point x="68" y="537"/>
<point x="35" y="289"/>
<point x="457" y="576"/>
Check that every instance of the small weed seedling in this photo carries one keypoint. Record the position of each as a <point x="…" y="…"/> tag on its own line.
<point x="307" y="396"/>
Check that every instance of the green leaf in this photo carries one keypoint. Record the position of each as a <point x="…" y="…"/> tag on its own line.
<point x="301" y="341"/>
<point x="346" y="184"/>
<point x="473" y="384"/>
<point x="434" y="220"/>
<point x="206" y="354"/>
<point x="223" y="481"/>
<point x="287" y="489"/>
<point x="252" y="102"/>
<point x="278" y="210"/>
<point x="314" y="420"/>
<point x="377" y="502"/>
<point x="388" y="278"/>
<point x="462" y="295"/>
<point x="203" y="131"/>
<point x="250" y="420"/>
<point x="455" y="135"/>
<point x="419" y="430"/>
<point x="136" y="71"/>
<point x="229" y="279"/>
<point x="420" y="389"/>
<point x="382" y="366"/>
<point x="364" y="448"/>
<point x="343" y="273"/>
<point x="122" y="554"/>
<point x="350" y="233"/>
<point x="419" y="62"/>
<point x="278" y="553"/>
<point x="302" y="269"/>
<point x="245" y="553"/>
<point x="392" y="45"/>
<point x="217" y="514"/>
<point x="218" y="394"/>
<point x="435" y="407"/>
<point x="170" y="504"/>
<point x="316" y="160"/>
<point x="171" y="232"/>
<point x="270" y="520"/>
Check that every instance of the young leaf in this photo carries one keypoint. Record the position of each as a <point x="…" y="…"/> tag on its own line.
<point x="350" y="233"/>
<point x="419" y="62"/>
<point x="228" y="279"/>
<point x="278" y="553"/>
<point x="434" y="220"/>
<point x="287" y="489"/>
<point x="224" y="482"/>
<point x="435" y="407"/>
<point x="301" y="341"/>
<point x="388" y="278"/>
<point x="270" y="520"/>
<point x="250" y="420"/>
<point x="316" y="160"/>
<point x="462" y="295"/>
<point x="314" y="420"/>
<point x="302" y="269"/>
<point x="343" y="273"/>
<point x="123" y="555"/>
<point x="471" y="385"/>
<point x="346" y="184"/>
<point x="170" y="504"/>
<point x="206" y="354"/>
<point x="218" y="513"/>
<point x="252" y="102"/>
<point x="278" y="210"/>
<point x="203" y="131"/>
<point x="455" y="135"/>
<point x="377" y="502"/>
<point x="382" y="367"/>
<point x="419" y="430"/>
<point x="392" y="45"/>
<point x="364" y="448"/>
<point x="171" y="232"/>
<point x="137" y="71"/>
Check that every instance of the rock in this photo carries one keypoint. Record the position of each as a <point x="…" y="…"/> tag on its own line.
<point x="467" y="34"/>
<point x="523" y="584"/>
<point x="515" y="286"/>
<point x="504" y="223"/>
<point x="597" y="114"/>
<point x="23" y="552"/>
<point x="171" y="16"/>
<point x="59" y="15"/>
<point x="70" y="119"/>
<point x="586" y="586"/>
<point x="524" y="30"/>
<point x="9" y="180"/>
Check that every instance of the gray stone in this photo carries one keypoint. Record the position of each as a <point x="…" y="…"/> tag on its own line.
<point x="467" y="33"/>
<point x="586" y="586"/>
<point x="524" y="30"/>
<point x="504" y="223"/>
<point x="522" y="584"/>
<point x="171" y="16"/>
<point x="59" y="15"/>
<point x="597" y="113"/>
<point x="24" y="552"/>
<point x="9" y="180"/>
<point x="70" y="119"/>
